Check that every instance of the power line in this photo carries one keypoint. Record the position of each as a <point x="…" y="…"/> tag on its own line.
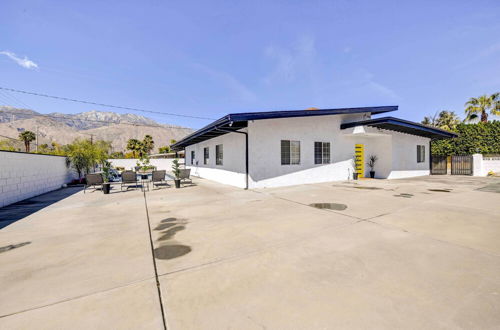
<point x="103" y="105"/>
<point x="16" y="99"/>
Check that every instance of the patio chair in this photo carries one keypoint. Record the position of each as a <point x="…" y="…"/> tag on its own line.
<point x="158" y="178"/>
<point x="129" y="178"/>
<point x="93" y="180"/>
<point x="184" y="175"/>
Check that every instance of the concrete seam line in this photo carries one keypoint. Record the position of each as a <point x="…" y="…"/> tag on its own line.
<point x="154" y="264"/>
<point x="77" y="297"/>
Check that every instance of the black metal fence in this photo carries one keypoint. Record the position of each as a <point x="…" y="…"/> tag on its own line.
<point x="461" y="165"/>
<point x="438" y="165"/>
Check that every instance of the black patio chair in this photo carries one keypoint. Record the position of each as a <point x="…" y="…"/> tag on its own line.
<point x="93" y="180"/>
<point x="184" y="175"/>
<point x="129" y="178"/>
<point x="158" y="178"/>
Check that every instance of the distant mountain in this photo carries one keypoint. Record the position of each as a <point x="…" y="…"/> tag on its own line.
<point x="64" y="128"/>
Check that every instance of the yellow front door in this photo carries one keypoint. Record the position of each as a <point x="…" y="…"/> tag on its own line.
<point x="359" y="151"/>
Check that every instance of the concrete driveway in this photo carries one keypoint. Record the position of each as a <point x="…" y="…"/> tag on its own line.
<point x="419" y="253"/>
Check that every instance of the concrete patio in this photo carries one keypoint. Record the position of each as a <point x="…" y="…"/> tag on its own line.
<point x="414" y="253"/>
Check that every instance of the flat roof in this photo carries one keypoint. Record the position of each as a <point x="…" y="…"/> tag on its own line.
<point x="403" y="126"/>
<point x="236" y="121"/>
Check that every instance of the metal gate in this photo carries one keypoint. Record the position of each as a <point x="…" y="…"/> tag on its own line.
<point x="461" y="165"/>
<point x="438" y="165"/>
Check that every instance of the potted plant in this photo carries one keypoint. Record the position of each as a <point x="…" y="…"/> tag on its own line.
<point x="177" y="173"/>
<point x="106" y="171"/>
<point x="371" y="164"/>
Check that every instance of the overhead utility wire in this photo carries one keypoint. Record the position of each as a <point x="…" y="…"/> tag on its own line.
<point x="103" y="105"/>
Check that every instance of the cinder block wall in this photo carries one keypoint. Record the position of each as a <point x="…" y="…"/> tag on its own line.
<point x="25" y="175"/>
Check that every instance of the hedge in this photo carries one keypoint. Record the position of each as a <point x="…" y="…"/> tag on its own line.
<point x="483" y="138"/>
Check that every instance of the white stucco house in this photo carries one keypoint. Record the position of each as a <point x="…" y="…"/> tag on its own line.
<point x="279" y="148"/>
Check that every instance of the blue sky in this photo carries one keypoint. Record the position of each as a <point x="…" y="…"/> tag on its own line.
<point x="209" y="58"/>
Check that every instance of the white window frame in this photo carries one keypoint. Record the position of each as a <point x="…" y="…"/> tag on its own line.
<point x="325" y="153"/>
<point x="292" y="152"/>
<point x="420" y="153"/>
<point x="219" y="154"/>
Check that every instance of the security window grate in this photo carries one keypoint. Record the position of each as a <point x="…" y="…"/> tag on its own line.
<point x="321" y="152"/>
<point x="192" y="157"/>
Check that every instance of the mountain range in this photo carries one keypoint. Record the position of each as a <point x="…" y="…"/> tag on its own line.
<point x="65" y="128"/>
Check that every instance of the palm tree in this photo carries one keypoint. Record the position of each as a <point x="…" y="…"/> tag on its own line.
<point x="447" y="120"/>
<point x="148" y="143"/>
<point x="27" y="137"/>
<point x="135" y="146"/>
<point x="481" y="105"/>
<point x="444" y="119"/>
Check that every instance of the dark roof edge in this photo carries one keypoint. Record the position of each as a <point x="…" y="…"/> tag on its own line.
<point x="403" y="122"/>
<point x="246" y="116"/>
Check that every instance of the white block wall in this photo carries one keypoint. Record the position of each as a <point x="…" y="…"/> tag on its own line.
<point x="482" y="165"/>
<point x="24" y="175"/>
<point x="129" y="164"/>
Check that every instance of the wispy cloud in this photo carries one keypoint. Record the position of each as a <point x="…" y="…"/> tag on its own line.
<point x="369" y="80"/>
<point x="291" y="62"/>
<point x="229" y="81"/>
<point x="24" y="62"/>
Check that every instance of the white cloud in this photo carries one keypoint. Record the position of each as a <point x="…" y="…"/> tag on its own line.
<point x="239" y="89"/>
<point x="24" y="62"/>
<point x="290" y="63"/>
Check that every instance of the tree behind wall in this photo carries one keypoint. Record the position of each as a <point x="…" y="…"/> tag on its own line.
<point x="481" y="138"/>
<point x="27" y="137"/>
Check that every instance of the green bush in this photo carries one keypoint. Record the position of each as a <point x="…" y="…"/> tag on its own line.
<point x="483" y="138"/>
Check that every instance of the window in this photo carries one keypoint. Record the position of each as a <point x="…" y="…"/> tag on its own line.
<point x="218" y="154"/>
<point x="205" y="156"/>
<point x="321" y="152"/>
<point x="192" y="157"/>
<point x="420" y="154"/>
<point x="290" y="152"/>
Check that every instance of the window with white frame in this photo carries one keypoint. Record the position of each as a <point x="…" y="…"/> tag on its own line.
<point x="219" y="154"/>
<point x="290" y="152"/>
<point x="321" y="152"/>
<point x="420" y="154"/>
<point x="205" y="155"/>
<point x="192" y="157"/>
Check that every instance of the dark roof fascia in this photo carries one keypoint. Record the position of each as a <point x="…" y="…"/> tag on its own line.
<point x="241" y="120"/>
<point x="428" y="131"/>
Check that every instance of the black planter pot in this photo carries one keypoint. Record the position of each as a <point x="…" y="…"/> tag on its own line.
<point x="177" y="183"/>
<point x="372" y="174"/>
<point x="106" y="187"/>
<point x="355" y="176"/>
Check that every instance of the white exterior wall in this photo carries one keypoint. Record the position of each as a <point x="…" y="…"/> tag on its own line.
<point x="492" y="165"/>
<point x="396" y="152"/>
<point x="404" y="156"/>
<point x="130" y="163"/>
<point x="482" y="165"/>
<point x="265" y="150"/>
<point x="232" y="170"/>
<point x="24" y="175"/>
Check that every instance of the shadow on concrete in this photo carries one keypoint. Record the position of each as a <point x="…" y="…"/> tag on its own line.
<point x="17" y="211"/>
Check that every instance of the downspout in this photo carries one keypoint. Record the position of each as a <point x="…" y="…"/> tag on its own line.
<point x="246" y="152"/>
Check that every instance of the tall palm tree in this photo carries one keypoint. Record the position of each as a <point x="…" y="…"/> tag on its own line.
<point x="27" y="137"/>
<point x="148" y="143"/>
<point x="482" y="105"/>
